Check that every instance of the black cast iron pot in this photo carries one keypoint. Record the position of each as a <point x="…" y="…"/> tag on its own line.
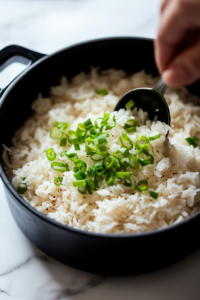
<point x="92" y="252"/>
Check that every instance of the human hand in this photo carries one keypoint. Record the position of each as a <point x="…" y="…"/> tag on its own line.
<point x="177" y="48"/>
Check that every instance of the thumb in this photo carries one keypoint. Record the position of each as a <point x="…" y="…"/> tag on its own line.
<point x="185" y="68"/>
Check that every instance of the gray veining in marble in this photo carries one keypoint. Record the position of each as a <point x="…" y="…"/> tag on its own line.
<point x="25" y="272"/>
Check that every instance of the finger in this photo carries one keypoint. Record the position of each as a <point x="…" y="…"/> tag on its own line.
<point x="178" y="17"/>
<point x="185" y="69"/>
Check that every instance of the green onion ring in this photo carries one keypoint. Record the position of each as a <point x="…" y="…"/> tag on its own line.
<point x="124" y="139"/>
<point x="129" y="104"/>
<point x="110" y="177"/>
<point x="51" y="155"/>
<point x="60" y="167"/>
<point x="58" y="181"/>
<point x="147" y="161"/>
<point x="133" y="162"/>
<point x="141" y="186"/>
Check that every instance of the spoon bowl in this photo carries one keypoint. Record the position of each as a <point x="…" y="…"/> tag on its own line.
<point x="150" y="100"/>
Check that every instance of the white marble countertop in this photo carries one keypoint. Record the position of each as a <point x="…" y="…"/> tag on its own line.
<point x="25" y="272"/>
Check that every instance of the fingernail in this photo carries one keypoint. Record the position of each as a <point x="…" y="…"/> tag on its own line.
<point x="176" y="76"/>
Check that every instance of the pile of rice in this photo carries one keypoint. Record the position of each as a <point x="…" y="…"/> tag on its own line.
<point x="111" y="209"/>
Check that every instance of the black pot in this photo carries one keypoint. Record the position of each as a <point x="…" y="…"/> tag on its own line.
<point x="92" y="252"/>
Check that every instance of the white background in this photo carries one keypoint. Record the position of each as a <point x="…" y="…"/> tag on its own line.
<point x="25" y="272"/>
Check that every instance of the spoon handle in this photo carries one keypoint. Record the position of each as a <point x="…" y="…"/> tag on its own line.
<point x="160" y="86"/>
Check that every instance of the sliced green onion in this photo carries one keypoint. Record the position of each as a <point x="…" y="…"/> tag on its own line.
<point x="131" y="123"/>
<point x="63" y="142"/>
<point x="80" y="128"/>
<point x="106" y="115"/>
<point x="81" y="136"/>
<point x="90" y="146"/>
<point x="102" y="138"/>
<point x="129" y="104"/>
<point x="62" y="126"/>
<point x="123" y="175"/>
<point x="111" y="162"/>
<point x="110" y="126"/>
<point x="141" y="142"/>
<point x="80" y="166"/>
<point x="102" y="147"/>
<point x="96" y="124"/>
<point x="133" y="162"/>
<point x="131" y="129"/>
<point x="73" y="157"/>
<point x="155" y="137"/>
<point x="51" y="155"/>
<point x="78" y="183"/>
<point x="73" y="137"/>
<point x="79" y="175"/>
<point x="128" y="182"/>
<point x="55" y="133"/>
<point x="110" y="177"/>
<point x="122" y="152"/>
<point x="97" y="156"/>
<point x="88" y="124"/>
<point x="126" y="141"/>
<point x="192" y="141"/>
<point x="93" y="131"/>
<point x="91" y="184"/>
<point x="82" y="190"/>
<point x="60" y="167"/>
<point x="58" y="181"/>
<point x="141" y="186"/>
<point x="124" y="162"/>
<point x="99" y="168"/>
<point x="63" y="153"/>
<point x="147" y="160"/>
<point x="22" y="188"/>
<point x="154" y="194"/>
<point x="103" y="92"/>
<point x="77" y="147"/>
<point x="24" y="178"/>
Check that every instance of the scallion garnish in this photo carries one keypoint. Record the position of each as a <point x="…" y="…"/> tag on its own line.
<point x="155" y="137"/>
<point x="82" y="190"/>
<point x="126" y="141"/>
<point x="145" y="158"/>
<point x="154" y="194"/>
<point x="110" y="177"/>
<point x="80" y="128"/>
<point x="77" y="147"/>
<point x="91" y="184"/>
<point x="80" y="166"/>
<point x="141" y="186"/>
<point x="141" y="142"/>
<point x="51" y="155"/>
<point x="63" y="142"/>
<point x="24" y="178"/>
<point x="88" y="124"/>
<point x="129" y="104"/>
<point x="73" y="137"/>
<point x="60" y="167"/>
<point x="63" y="153"/>
<point x="78" y="183"/>
<point x="79" y="175"/>
<point x="192" y="141"/>
<point x="103" y="92"/>
<point x="58" y="181"/>
<point x="111" y="162"/>
<point x="133" y="162"/>
<point x="97" y="156"/>
<point x="22" y="188"/>
<point x="55" y="133"/>
<point x="90" y="146"/>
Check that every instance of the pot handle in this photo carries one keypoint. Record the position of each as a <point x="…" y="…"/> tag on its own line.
<point x="14" y="53"/>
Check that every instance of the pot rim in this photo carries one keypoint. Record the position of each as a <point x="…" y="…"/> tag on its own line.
<point x="31" y="209"/>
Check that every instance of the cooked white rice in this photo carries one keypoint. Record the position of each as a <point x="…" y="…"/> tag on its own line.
<point x="110" y="209"/>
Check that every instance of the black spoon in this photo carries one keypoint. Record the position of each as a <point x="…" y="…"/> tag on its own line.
<point x="150" y="100"/>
